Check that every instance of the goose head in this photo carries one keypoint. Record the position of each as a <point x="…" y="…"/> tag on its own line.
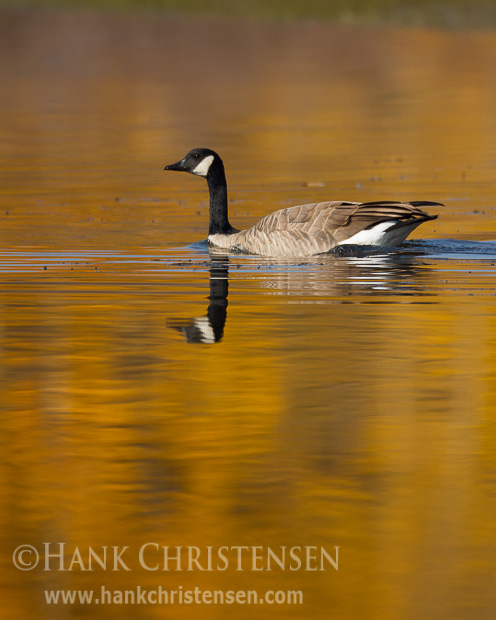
<point x="202" y="162"/>
<point x="206" y="163"/>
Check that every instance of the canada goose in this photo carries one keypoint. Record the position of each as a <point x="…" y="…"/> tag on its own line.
<point x="303" y="230"/>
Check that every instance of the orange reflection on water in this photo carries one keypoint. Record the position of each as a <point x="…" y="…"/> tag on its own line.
<point x="350" y="399"/>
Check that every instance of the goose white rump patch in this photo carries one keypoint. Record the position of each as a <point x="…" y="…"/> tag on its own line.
<point x="378" y="235"/>
<point x="204" y="166"/>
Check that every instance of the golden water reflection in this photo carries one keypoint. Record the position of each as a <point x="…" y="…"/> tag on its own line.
<point x="346" y="400"/>
<point x="355" y="416"/>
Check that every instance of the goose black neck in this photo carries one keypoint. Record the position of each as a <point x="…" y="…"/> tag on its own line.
<point x="217" y="185"/>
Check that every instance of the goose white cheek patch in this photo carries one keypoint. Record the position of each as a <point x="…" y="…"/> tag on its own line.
<point x="204" y="166"/>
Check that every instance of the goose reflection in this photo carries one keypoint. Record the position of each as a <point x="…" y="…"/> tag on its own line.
<point x="352" y="272"/>
<point x="359" y="273"/>
<point x="209" y="329"/>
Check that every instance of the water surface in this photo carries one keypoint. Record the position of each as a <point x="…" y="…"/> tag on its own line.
<point x="153" y="391"/>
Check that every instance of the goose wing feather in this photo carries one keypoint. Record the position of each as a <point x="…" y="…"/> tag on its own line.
<point x="316" y="228"/>
<point x="331" y="223"/>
